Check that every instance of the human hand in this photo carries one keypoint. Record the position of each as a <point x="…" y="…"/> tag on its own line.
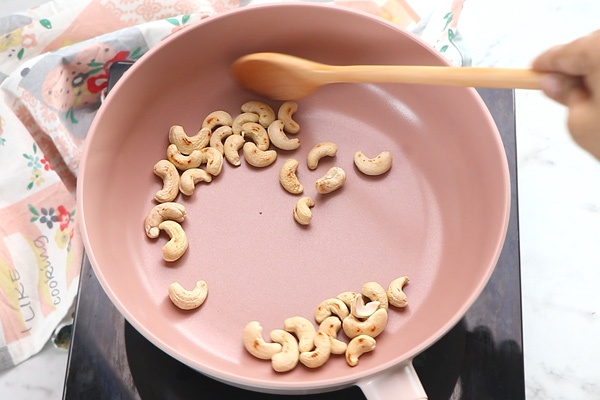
<point x="574" y="81"/>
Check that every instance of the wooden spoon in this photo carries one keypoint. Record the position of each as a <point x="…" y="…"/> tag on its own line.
<point x="285" y="77"/>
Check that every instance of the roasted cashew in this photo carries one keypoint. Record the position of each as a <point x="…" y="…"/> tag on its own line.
<point x="375" y="292"/>
<point x="331" y="326"/>
<point x="170" y="176"/>
<point x="183" y="161"/>
<point x="302" y="211"/>
<point x="231" y="149"/>
<point x="189" y="178"/>
<point x="395" y="294"/>
<point x="160" y="213"/>
<point x="256" y="345"/>
<point x="265" y="113"/>
<point x="257" y="133"/>
<point x="319" y="151"/>
<point x="186" y="144"/>
<point x="331" y="307"/>
<point x="213" y="159"/>
<point x="288" y="178"/>
<point x="347" y="298"/>
<point x="361" y="310"/>
<point x="216" y="140"/>
<point x="188" y="299"/>
<point x="217" y="118"/>
<point x="332" y="180"/>
<point x="178" y="243"/>
<point x="287" y="358"/>
<point x="285" y="113"/>
<point x="279" y="138"/>
<point x="357" y="347"/>
<point x="304" y="331"/>
<point x="321" y="353"/>
<point x="371" y="326"/>
<point x="256" y="157"/>
<point x="241" y="119"/>
<point x="373" y="166"/>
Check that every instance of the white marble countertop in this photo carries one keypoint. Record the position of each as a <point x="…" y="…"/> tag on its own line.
<point x="559" y="210"/>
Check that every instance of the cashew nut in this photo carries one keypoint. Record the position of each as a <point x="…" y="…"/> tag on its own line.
<point x="395" y="295"/>
<point x="186" y="144"/>
<point x="287" y="358"/>
<point x="347" y="298"/>
<point x="241" y="119"/>
<point x="189" y="178"/>
<point x="302" y="211"/>
<point x="256" y="345"/>
<point x="182" y="161"/>
<point x="331" y="326"/>
<point x="361" y="310"/>
<point x="188" y="299"/>
<point x="256" y="157"/>
<point x="285" y="113"/>
<point x="213" y="159"/>
<point x="257" y="133"/>
<point x="321" y="353"/>
<point x="375" y="292"/>
<point x="279" y="138"/>
<point x="319" y="151"/>
<point x="373" y="166"/>
<point x="288" y="178"/>
<point x="178" y="243"/>
<point x="216" y="140"/>
<point x="332" y="180"/>
<point x="231" y="149"/>
<point x="357" y="347"/>
<point x="160" y="213"/>
<point x="371" y="326"/>
<point x="265" y="113"/>
<point x="304" y="331"/>
<point x="217" y="118"/>
<point x="331" y="307"/>
<point x="170" y="176"/>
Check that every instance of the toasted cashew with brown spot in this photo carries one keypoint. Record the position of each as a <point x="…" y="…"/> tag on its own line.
<point x="285" y="113"/>
<point x="373" y="166"/>
<point x="357" y="347"/>
<point x="287" y="358"/>
<point x="331" y="181"/>
<point x="320" y="150"/>
<point x="395" y="292"/>
<point x="256" y="157"/>
<point x="241" y="119"/>
<point x="221" y="133"/>
<point x="178" y="243"/>
<point x="361" y="310"/>
<point x="371" y="326"/>
<point x="217" y="118"/>
<point x="186" y="144"/>
<point x="231" y="149"/>
<point x="304" y="331"/>
<point x="375" y="292"/>
<point x="189" y="179"/>
<point x="302" y="212"/>
<point x="288" y="178"/>
<point x="256" y="345"/>
<point x="321" y="353"/>
<point x="257" y="133"/>
<point x="265" y="113"/>
<point x="160" y="213"/>
<point x="188" y="299"/>
<point x="213" y="160"/>
<point x="170" y="177"/>
<point x="182" y="161"/>
<point x="331" y="326"/>
<point x="347" y="298"/>
<point x="279" y="138"/>
<point x="331" y="307"/>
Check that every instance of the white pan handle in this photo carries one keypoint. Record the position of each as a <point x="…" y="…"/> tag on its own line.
<point x="400" y="383"/>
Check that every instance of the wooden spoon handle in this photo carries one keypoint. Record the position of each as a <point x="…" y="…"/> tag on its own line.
<point x="505" y="78"/>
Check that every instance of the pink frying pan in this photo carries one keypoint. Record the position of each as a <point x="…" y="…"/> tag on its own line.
<point x="438" y="216"/>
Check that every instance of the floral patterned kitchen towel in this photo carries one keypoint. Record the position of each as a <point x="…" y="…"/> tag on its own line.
<point x="54" y="62"/>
